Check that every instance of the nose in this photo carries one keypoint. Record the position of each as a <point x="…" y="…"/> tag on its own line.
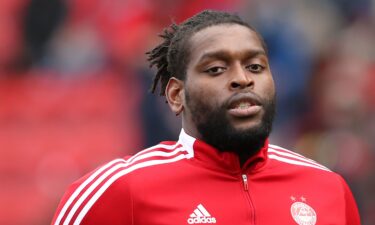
<point x="241" y="78"/>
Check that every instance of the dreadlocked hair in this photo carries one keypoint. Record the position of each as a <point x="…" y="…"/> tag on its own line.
<point x="172" y="55"/>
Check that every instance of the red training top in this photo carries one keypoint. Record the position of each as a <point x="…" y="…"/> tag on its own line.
<point x="190" y="182"/>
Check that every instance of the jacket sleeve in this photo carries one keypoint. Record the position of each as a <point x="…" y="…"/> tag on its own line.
<point x="351" y="209"/>
<point x="96" y="200"/>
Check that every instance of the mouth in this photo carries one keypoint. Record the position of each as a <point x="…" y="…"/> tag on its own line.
<point x="244" y="105"/>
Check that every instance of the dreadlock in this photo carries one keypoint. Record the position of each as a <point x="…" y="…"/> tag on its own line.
<point x="172" y="55"/>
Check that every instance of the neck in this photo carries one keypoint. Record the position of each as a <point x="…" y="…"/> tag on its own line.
<point x="243" y="156"/>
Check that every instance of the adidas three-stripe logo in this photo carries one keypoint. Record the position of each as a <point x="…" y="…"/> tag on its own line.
<point x="200" y="216"/>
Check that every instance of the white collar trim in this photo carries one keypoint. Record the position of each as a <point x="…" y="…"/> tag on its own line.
<point x="187" y="142"/>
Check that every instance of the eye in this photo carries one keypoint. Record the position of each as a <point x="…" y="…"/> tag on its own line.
<point x="255" y="68"/>
<point x="215" y="70"/>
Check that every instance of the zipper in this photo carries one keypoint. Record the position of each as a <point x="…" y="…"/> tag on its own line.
<point x="245" y="183"/>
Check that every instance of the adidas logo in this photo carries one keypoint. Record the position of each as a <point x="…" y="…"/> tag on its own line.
<point x="200" y="215"/>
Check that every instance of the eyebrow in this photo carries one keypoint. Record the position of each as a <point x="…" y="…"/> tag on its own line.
<point x="225" y="55"/>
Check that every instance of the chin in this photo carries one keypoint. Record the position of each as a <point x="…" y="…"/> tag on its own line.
<point x="246" y="126"/>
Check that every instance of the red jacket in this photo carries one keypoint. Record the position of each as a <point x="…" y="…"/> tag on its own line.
<point x="190" y="182"/>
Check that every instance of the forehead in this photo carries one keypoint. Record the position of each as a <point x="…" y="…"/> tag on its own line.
<point x="231" y="38"/>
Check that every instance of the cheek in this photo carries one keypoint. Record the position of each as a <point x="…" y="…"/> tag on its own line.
<point x="196" y="95"/>
<point x="268" y="88"/>
<point x="203" y="97"/>
<point x="197" y="90"/>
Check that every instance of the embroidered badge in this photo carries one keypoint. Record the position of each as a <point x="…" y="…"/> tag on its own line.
<point x="302" y="213"/>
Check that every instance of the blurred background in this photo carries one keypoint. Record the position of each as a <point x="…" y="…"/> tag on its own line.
<point x="74" y="89"/>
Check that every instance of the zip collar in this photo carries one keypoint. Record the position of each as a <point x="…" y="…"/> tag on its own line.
<point x="216" y="159"/>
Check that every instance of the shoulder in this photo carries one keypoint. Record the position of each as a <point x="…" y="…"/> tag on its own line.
<point x="119" y="170"/>
<point x="163" y="153"/>
<point x="290" y="159"/>
<point x="109" y="183"/>
<point x="303" y="172"/>
<point x="307" y="173"/>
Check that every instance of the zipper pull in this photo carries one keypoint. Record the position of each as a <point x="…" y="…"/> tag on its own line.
<point x="245" y="184"/>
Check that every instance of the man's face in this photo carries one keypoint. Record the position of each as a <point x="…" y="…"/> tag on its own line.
<point x="229" y="90"/>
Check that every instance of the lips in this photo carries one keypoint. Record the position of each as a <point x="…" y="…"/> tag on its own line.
<point x="244" y="105"/>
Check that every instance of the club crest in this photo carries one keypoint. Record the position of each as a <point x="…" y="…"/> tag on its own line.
<point x="303" y="214"/>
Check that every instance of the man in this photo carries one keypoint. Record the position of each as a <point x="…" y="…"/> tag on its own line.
<point x="214" y="71"/>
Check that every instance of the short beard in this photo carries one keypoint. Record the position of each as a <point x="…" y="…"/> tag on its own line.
<point x="216" y="130"/>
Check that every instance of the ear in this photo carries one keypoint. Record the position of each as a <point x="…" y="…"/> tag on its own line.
<point x="174" y="92"/>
